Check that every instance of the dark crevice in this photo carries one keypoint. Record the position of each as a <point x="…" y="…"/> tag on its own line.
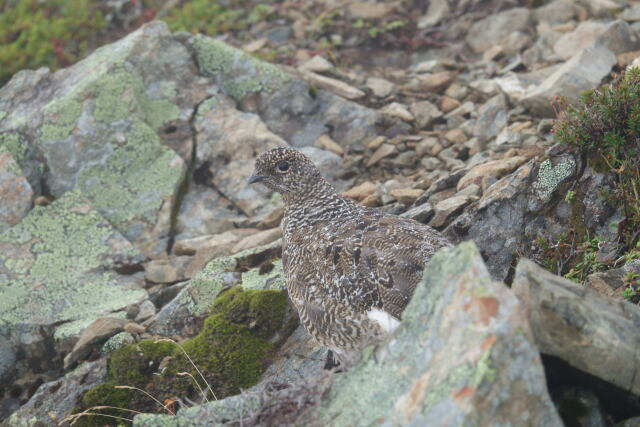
<point x="235" y="207"/>
<point x="617" y="404"/>
<point x="183" y="188"/>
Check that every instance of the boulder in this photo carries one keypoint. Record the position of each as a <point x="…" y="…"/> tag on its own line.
<point x="114" y="126"/>
<point x="495" y="28"/>
<point x="585" y="70"/>
<point x="57" y="275"/>
<point x="617" y="36"/>
<point x="580" y="326"/>
<point x="528" y="205"/>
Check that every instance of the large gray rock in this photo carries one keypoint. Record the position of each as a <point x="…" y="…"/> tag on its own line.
<point x="116" y="127"/>
<point x="528" y="205"/>
<point x="617" y="36"/>
<point x="592" y="333"/>
<point x="57" y="274"/>
<point x="585" y="70"/>
<point x="495" y="29"/>
<point x="464" y="355"/>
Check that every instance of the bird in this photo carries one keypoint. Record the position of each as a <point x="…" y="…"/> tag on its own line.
<point x="350" y="270"/>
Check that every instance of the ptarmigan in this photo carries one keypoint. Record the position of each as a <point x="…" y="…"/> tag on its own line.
<point x="350" y="270"/>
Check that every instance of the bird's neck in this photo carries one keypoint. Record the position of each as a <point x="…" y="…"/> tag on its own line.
<point x="324" y="203"/>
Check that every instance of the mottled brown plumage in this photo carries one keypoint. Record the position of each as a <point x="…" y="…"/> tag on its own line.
<point x="350" y="270"/>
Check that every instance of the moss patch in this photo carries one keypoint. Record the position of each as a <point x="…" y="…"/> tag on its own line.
<point x="231" y="351"/>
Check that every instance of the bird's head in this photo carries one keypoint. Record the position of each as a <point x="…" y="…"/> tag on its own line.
<point x="287" y="171"/>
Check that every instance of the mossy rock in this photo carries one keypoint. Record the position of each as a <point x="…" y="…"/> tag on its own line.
<point x="105" y="394"/>
<point x="133" y="364"/>
<point x="231" y="351"/>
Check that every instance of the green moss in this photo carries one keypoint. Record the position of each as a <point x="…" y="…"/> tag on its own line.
<point x="234" y="343"/>
<point x="550" y="175"/>
<point x="231" y="351"/>
<point x="134" y="364"/>
<point x="240" y="73"/>
<point x="105" y="394"/>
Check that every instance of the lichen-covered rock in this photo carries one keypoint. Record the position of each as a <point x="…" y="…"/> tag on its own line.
<point x="288" y="105"/>
<point x="183" y="314"/>
<point x="580" y="326"/>
<point x="116" y="127"/>
<point x="57" y="273"/>
<point x="529" y="204"/>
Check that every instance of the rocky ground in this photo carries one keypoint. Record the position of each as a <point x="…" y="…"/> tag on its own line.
<point x="127" y="215"/>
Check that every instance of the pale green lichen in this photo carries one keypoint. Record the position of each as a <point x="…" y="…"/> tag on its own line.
<point x="3" y="114"/>
<point x="60" y="117"/>
<point x="484" y="371"/>
<point x="13" y="143"/>
<point x="239" y="73"/>
<point x="119" y="94"/>
<point x="56" y="273"/>
<point x="550" y="175"/>
<point x="274" y="279"/>
<point x="134" y="180"/>
<point x="207" y="284"/>
<point x="117" y="341"/>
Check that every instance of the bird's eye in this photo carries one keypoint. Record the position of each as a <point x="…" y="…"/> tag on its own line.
<point x="283" y="166"/>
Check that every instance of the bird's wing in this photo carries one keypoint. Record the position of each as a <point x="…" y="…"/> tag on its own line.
<point x="395" y="252"/>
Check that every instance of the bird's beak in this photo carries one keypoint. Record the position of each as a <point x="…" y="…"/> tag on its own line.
<point x="255" y="178"/>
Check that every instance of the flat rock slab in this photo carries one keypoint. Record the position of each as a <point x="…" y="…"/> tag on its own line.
<point x="593" y="333"/>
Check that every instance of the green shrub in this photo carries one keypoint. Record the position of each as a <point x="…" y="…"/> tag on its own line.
<point x="605" y="127"/>
<point x="52" y="33"/>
